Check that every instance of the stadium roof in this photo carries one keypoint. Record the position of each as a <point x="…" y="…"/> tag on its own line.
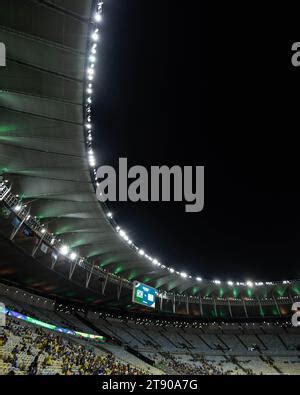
<point x="42" y="138"/>
<point x="44" y="142"/>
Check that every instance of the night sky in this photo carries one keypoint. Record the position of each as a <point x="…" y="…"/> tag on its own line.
<point x="212" y="86"/>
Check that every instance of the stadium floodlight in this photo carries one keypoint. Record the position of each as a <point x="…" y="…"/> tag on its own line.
<point x="89" y="91"/>
<point x="73" y="256"/>
<point x="184" y="275"/>
<point x="142" y="252"/>
<point x="109" y="215"/>
<point x="92" y="162"/>
<point x="218" y="282"/>
<point x="98" y="17"/>
<point x="95" y="36"/>
<point x="249" y="284"/>
<point x="155" y="261"/>
<point x="52" y="241"/>
<point x="28" y="217"/>
<point x="43" y="230"/>
<point x="92" y="58"/>
<point x="172" y="270"/>
<point x="88" y="126"/>
<point x="18" y="208"/>
<point x="64" y="250"/>
<point x="198" y="278"/>
<point x="230" y="283"/>
<point x="129" y="242"/>
<point x="122" y="233"/>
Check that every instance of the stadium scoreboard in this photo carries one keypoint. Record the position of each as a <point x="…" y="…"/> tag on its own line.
<point x="143" y="294"/>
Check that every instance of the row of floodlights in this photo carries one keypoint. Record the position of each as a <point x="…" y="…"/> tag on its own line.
<point x="63" y="250"/>
<point x="141" y="252"/>
<point x="90" y="74"/>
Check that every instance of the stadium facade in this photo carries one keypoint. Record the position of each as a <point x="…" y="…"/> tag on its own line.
<point x="55" y="237"/>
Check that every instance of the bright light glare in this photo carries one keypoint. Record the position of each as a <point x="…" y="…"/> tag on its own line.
<point x="98" y="17"/>
<point x="17" y="208"/>
<point x="73" y="256"/>
<point x="95" y="36"/>
<point x="92" y="162"/>
<point x="122" y="233"/>
<point x="64" y="250"/>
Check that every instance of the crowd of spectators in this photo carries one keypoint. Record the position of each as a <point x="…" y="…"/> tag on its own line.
<point x="47" y="348"/>
<point x="198" y="365"/>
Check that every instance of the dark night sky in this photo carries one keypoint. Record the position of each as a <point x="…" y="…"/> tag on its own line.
<point x="213" y="87"/>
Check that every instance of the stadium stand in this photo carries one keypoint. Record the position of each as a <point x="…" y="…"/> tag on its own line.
<point x="139" y="345"/>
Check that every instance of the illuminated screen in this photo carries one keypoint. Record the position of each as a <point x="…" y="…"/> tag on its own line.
<point x="33" y="321"/>
<point x="143" y="294"/>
